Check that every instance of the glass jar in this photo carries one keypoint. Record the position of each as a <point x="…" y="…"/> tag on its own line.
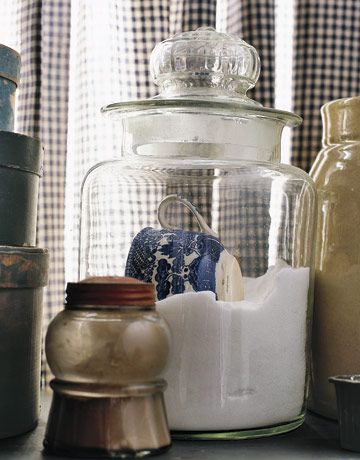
<point x="336" y="173"/>
<point x="107" y="350"/>
<point x="201" y="206"/>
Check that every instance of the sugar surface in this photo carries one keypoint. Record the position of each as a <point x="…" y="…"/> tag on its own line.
<point x="237" y="365"/>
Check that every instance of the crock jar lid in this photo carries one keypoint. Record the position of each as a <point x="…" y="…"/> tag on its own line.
<point x="107" y="291"/>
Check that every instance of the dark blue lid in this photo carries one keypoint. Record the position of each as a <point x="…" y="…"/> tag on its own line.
<point x="9" y="64"/>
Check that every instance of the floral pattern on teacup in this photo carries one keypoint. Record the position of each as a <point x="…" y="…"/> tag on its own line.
<point x="176" y="261"/>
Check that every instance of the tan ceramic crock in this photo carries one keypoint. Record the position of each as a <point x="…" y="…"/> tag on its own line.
<point x="336" y="331"/>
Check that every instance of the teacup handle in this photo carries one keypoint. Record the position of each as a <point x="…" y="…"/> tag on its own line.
<point x="168" y="200"/>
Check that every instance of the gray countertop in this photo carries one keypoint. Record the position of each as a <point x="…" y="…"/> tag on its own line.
<point x="317" y="438"/>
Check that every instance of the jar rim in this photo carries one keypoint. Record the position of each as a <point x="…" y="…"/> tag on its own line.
<point x="229" y="107"/>
<point x="109" y="292"/>
<point x="102" y="307"/>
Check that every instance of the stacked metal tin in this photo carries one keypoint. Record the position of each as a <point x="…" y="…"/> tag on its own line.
<point x="23" y="266"/>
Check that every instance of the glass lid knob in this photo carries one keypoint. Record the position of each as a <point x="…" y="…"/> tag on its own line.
<point x="205" y="57"/>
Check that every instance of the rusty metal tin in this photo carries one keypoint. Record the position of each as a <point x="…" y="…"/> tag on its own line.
<point x="23" y="274"/>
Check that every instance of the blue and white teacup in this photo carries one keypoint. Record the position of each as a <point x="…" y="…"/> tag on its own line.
<point x="179" y="261"/>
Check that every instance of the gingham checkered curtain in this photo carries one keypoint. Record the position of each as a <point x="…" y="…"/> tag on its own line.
<point x="44" y="32"/>
<point x="258" y="29"/>
<point x="242" y="207"/>
<point x="327" y="66"/>
<point x="254" y="21"/>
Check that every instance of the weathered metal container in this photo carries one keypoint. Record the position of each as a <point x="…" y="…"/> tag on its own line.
<point x="23" y="274"/>
<point x="9" y="80"/>
<point x="20" y="171"/>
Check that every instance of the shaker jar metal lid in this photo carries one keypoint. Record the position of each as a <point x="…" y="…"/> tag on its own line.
<point x="109" y="291"/>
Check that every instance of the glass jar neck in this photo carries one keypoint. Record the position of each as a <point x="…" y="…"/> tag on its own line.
<point x="341" y="121"/>
<point x="202" y="136"/>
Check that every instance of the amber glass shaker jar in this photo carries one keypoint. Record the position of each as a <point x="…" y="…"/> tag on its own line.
<point x="107" y="350"/>
<point x="336" y="172"/>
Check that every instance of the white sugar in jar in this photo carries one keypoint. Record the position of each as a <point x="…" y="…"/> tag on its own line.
<point x="238" y="365"/>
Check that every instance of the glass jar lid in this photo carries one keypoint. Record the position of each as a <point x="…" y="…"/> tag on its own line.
<point x="203" y="70"/>
<point x="204" y="58"/>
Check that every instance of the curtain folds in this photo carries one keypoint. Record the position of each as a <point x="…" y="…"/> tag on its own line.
<point x="189" y="15"/>
<point x="257" y="20"/>
<point x="42" y="112"/>
<point x="327" y="66"/>
<point x="29" y="95"/>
